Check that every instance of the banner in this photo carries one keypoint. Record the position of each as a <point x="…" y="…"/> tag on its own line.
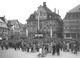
<point x="51" y="32"/>
<point x="26" y="32"/>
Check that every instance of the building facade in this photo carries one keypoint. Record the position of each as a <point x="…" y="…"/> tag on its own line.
<point x="22" y="30"/>
<point x="3" y="28"/>
<point x="16" y="29"/>
<point x="72" y="23"/>
<point x="44" y="21"/>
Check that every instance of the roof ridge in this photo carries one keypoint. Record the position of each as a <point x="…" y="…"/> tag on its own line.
<point x="47" y="10"/>
<point x="75" y="9"/>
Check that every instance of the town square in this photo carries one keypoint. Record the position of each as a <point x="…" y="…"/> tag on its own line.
<point x="45" y="34"/>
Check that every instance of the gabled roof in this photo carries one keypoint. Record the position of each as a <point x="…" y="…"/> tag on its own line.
<point x="75" y="9"/>
<point x="3" y="24"/>
<point x="2" y="18"/>
<point x="31" y="17"/>
<point x="14" y="22"/>
<point x="21" y="25"/>
<point x="47" y="10"/>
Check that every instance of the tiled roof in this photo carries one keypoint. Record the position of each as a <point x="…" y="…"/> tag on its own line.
<point x="21" y="25"/>
<point x="14" y="22"/>
<point x="2" y="18"/>
<point x="47" y="10"/>
<point x="75" y="9"/>
<point x="32" y="17"/>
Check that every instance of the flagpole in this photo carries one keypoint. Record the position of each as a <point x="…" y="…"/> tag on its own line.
<point x="38" y="20"/>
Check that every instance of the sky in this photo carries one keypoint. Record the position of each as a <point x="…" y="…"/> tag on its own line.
<point x="21" y="9"/>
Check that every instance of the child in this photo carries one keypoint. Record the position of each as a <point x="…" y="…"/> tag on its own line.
<point x="42" y="52"/>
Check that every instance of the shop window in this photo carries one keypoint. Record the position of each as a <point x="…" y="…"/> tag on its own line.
<point x="67" y="35"/>
<point x="73" y="35"/>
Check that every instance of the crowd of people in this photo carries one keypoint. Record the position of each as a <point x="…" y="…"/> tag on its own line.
<point x="43" y="48"/>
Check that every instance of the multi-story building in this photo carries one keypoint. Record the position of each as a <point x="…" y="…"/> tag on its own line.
<point x="16" y="29"/>
<point x="3" y="28"/>
<point x="22" y="30"/>
<point x="72" y="23"/>
<point x="44" y="21"/>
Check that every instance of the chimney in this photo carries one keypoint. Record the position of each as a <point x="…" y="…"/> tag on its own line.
<point x="44" y="4"/>
<point x="58" y="12"/>
<point x="4" y="16"/>
<point x="55" y="10"/>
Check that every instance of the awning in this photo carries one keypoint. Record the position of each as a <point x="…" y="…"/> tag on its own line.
<point x="38" y="35"/>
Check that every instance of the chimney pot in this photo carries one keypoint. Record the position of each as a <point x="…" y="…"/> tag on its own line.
<point x="44" y="4"/>
<point x="55" y="10"/>
<point x="58" y="11"/>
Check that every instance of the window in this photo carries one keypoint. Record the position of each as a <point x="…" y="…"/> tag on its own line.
<point x="34" y="25"/>
<point x="69" y="15"/>
<point x="44" y="28"/>
<point x="76" y="15"/>
<point x="5" y="30"/>
<point x="73" y="15"/>
<point x="54" y="24"/>
<point x="28" y="25"/>
<point x="65" y="27"/>
<point x="73" y="35"/>
<point x="50" y="16"/>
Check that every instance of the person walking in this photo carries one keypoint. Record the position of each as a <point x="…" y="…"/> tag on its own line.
<point x="58" y="48"/>
<point x="76" y="47"/>
<point x="54" y="48"/>
<point x="2" y="45"/>
<point x="28" y="47"/>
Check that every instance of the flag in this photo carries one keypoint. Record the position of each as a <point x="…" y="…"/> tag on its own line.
<point x="26" y="32"/>
<point x="38" y="19"/>
<point x="51" y="32"/>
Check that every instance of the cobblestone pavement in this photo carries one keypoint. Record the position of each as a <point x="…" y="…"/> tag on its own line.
<point x="11" y="53"/>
